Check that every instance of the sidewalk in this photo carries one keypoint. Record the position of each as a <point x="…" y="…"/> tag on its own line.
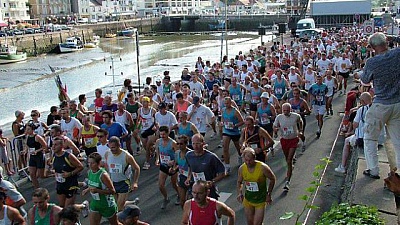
<point x="367" y="191"/>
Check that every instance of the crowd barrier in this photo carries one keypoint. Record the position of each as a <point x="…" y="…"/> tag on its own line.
<point x="17" y="147"/>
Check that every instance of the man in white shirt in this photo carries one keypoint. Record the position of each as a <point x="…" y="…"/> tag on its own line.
<point x="342" y="68"/>
<point x="323" y="64"/>
<point x="165" y="118"/>
<point x="200" y="115"/>
<point x="196" y="86"/>
<point x="69" y="124"/>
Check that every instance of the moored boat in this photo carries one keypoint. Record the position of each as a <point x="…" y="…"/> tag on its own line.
<point x="94" y="43"/>
<point x="9" y="54"/>
<point x="71" y="44"/>
<point x="110" y="35"/>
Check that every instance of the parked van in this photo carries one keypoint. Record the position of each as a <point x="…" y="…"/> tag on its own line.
<point x="304" y="24"/>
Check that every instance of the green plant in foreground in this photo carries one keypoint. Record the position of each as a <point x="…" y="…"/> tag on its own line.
<point x="307" y="198"/>
<point x="346" y="214"/>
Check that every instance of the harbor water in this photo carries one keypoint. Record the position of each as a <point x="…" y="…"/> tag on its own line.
<point x="30" y="85"/>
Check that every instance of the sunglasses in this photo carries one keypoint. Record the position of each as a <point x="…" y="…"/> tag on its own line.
<point x="32" y="115"/>
<point x="180" y="143"/>
<point x="100" y="136"/>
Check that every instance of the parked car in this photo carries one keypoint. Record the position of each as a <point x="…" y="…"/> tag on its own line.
<point x="18" y="32"/>
<point x="93" y="21"/>
<point x="38" y="30"/>
<point x="29" y="31"/>
<point x="65" y="27"/>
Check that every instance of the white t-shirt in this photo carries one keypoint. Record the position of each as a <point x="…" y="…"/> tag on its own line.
<point x="342" y="65"/>
<point x="360" y="119"/>
<point x="101" y="149"/>
<point x="168" y="119"/>
<point x="287" y="125"/>
<point x="323" y="65"/>
<point x="68" y="128"/>
<point x="201" y="117"/>
<point x="196" y="87"/>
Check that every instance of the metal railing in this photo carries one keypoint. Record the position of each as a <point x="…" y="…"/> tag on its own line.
<point x="17" y="148"/>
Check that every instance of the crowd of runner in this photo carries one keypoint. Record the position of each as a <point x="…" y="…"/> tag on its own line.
<point x="248" y="100"/>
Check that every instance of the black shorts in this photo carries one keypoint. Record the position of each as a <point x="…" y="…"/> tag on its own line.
<point x="89" y="151"/>
<point x="344" y="75"/>
<point x="253" y="107"/>
<point x="67" y="193"/>
<point x="37" y="161"/>
<point x="234" y="138"/>
<point x="165" y="169"/>
<point x="148" y="132"/>
<point x="261" y="156"/>
<point x="121" y="186"/>
<point x="181" y="181"/>
<point x="268" y="127"/>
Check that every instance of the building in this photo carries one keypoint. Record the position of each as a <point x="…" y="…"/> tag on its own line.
<point x="340" y="12"/>
<point x="50" y="11"/>
<point x="15" y="10"/>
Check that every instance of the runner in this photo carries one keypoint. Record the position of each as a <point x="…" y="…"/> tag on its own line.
<point x="205" y="210"/>
<point x="288" y="124"/>
<point x="186" y="127"/>
<point x="331" y="83"/>
<point x="147" y="122"/>
<point x="118" y="162"/>
<point x="204" y="165"/>
<point x="74" y="111"/>
<point x="252" y="182"/>
<point x="199" y="115"/>
<point x="101" y="189"/>
<point x="43" y="212"/>
<point x="123" y="117"/>
<point x="130" y="215"/>
<point x="132" y="106"/>
<point x="182" y="167"/>
<point x="36" y="147"/>
<point x="114" y="128"/>
<point x="67" y="167"/>
<point x="300" y="106"/>
<point x="70" y="126"/>
<point x="231" y="120"/>
<point x="8" y="214"/>
<point x="89" y="139"/>
<point x="69" y="146"/>
<point x="98" y="103"/>
<point x="342" y="68"/>
<point x="165" y="118"/>
<point x="255" y="92"/>
<point x="165" y="158"/>
<point x="102" y="145"/>
<point x="257" y="138"/>
<point x="318" y="93"/>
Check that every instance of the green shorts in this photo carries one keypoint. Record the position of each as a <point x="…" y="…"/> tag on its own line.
<point x="103" y="209"/>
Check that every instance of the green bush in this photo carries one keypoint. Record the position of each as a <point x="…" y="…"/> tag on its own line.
<point x="346" y="214"/>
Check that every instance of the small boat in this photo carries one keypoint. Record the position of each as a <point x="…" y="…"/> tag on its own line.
<point x="127" y="32"/>
<point x="9" y="54"/>
<point x="71" y="44"/>
<point x="110" y="35"/>
<point x="94" y="43"/>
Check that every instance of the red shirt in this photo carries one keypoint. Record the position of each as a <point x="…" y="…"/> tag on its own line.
<point x="98" y="103"/>
<point x="203" y="216"/>
<point x="351" y="101"/>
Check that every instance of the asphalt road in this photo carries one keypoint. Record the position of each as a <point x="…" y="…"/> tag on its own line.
<point x="151" y="199"/>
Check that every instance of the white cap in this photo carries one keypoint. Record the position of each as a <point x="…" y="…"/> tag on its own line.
<point x="268" y="86"/>
<point x="227" y="64"/>
<point x="248" y="58"/>
<point x="309" y="66"/>
<point x="292" y="68"/>
<point x="265" y="95"/>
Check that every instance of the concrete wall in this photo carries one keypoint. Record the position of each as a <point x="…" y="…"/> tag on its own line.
<point x="37" y="44"/>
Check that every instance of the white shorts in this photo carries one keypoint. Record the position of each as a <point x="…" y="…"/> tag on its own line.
<point x="319" y="109"/>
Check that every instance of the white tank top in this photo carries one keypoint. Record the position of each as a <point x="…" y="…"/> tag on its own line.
<point x="5" y="220"/>
<point x="310" y="80"/>
<point x="330" y="84"/>
<point x="147" y="119"/>
<point x="123" y="119"/>
<point x="293" y="78"/>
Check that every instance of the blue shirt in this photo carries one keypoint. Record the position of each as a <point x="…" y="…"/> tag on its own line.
<point x="319" y="91"/>
<point x="116" y="129"/>
<point x="384" y="71"/>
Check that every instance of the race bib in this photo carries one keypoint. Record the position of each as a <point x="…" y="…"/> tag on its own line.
<point x="145" y="122"/>
<point x="98" y="109"/>
<point x="115" y="168"/>
<point x="199" y="176"/>
<point x="254" y="146"/>
<point x="255" y="100"/>
<point x="278" y="91"/>
<point x="59" y="178"/>
<point x="236" y="97"/>
<point x="251" y="186"/>
<point x="288" y="131"/>
<point x="165" y="159"/>
<point x="134" y="116"/>
<point x="229" y="125"/>
<point x="183" y="172"/>
<point x="32" y="151"/>
<point x="199" y="120"/>
<point x="296" y="110"/>
<point x="265" y="119"/>
<point x="319" y="98"/>
<point x="89" y="141"/>
<point x="95" y="196"/>
<point x="111" y="201"/>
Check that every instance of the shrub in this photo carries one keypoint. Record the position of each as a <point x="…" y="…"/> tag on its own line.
<point x="346" y="214"/>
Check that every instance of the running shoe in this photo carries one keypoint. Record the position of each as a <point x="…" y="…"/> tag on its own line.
<point x="178" y="200"/>
<point x="165" y="203"/>
<point x="340" y="169"/>
<point x="303" y="148"/>
<point x="85" y="210"/>
<point x="318" y="134"/>
<point x="287" y="186"/>
<point x="331" y="111"/>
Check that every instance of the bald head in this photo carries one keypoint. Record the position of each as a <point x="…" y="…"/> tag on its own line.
<point x="366" y="97"/>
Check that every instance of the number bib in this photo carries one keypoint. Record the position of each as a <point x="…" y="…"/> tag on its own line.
<point x="32" y="151"/>
<point x="134" y="116"/>
<point x="255" y="100"/>
<point x="199" y="176"/>
<point x="251" y="186"/>
<point x="145" y="123"/>
<point x="254" y="146"/>
<point x="319" y="98"/>
<point x="288" y="131"/>
<point x="95" y="196"/>
<point x="98" y="109"/>
<point x="183" y="172"/>
<point x="59" y="178"/>
<point x="115" y="168"/>
<point x="278" y="91"/>
<point x="165" y="159"/>
<point x="265" y="119"/>
<point x="89" y="141"/>
<point x="199" y="120"/>
<point x="236" y="97"/>
<point x="229" y="125"/>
